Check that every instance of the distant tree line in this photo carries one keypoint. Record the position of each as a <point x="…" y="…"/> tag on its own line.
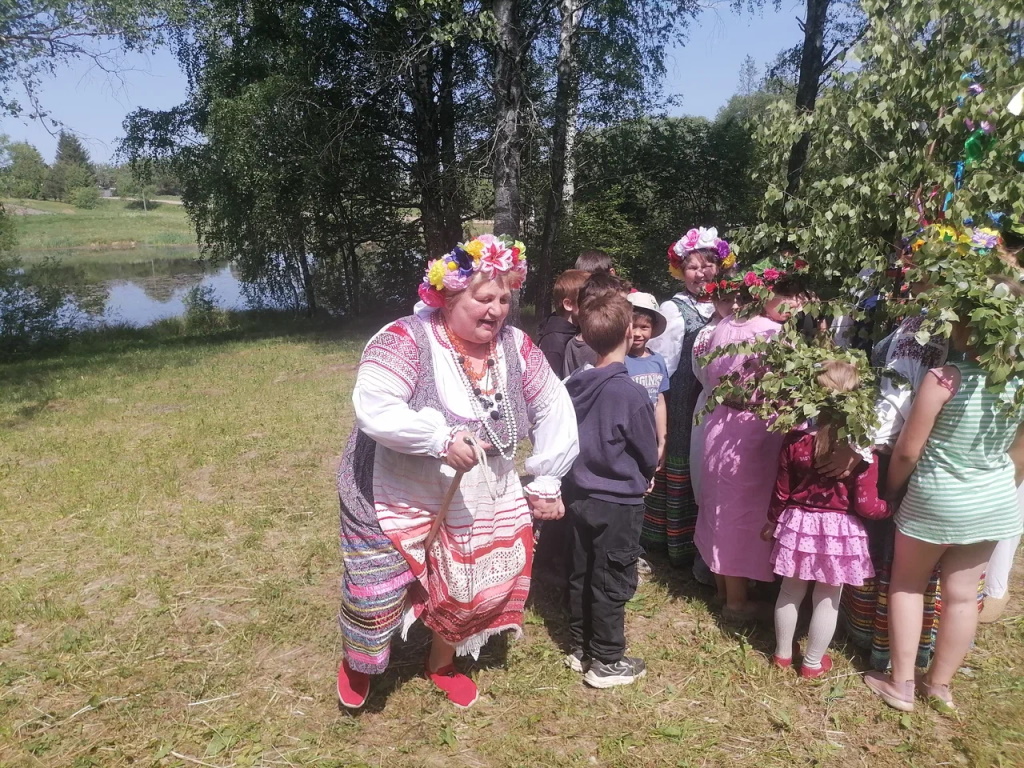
<point x="73" y="177"/>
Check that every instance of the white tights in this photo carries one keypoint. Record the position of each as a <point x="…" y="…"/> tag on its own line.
<point x="997" y="575"/>
<point x="823" y="620"/>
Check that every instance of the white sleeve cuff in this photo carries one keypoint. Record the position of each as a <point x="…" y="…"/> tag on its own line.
<point x="545" y="487"/>
<point x="442" y="441"/>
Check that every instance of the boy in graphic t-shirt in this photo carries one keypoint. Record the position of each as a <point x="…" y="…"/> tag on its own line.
<point x="646" y="368"/>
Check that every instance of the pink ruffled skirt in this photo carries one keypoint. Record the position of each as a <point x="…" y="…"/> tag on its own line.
<point x="830" y="547"/>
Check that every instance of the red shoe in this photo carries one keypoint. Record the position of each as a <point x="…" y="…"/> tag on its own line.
<point x="353" y="686"/>
<point x="783" y="663"/>
<point x="460" y="690"/>
<point x="810" y="674"/>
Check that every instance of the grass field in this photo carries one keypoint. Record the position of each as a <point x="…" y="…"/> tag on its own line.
<point x="114" y="224"/>
<point x="168" y="545"/>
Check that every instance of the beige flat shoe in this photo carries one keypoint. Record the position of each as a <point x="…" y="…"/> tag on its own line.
<point x="992" y="609"/>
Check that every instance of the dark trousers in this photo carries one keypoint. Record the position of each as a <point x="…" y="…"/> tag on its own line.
<point x="605" y="548"/>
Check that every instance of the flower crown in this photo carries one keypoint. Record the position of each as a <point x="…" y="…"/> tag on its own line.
<point x="981" y="239"/>
<point x="699" y="240"/>
<point x="490" y="254"/>
<point x="715" y="289"/>
<point x="762" y="275"/>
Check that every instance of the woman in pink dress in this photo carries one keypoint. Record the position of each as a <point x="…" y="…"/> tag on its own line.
<point x="741" y="458"/>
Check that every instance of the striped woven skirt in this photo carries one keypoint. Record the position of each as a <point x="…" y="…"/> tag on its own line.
<point x="670" y="512"/>
<point x="864" y="610"/>
<point x="373" y="592"/>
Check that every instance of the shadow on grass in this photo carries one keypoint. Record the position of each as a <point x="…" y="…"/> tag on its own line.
<point x="408" y="659"/>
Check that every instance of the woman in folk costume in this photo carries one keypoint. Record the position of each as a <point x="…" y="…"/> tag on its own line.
<point x="671" y="511"/>
<point x="433" y="391"/>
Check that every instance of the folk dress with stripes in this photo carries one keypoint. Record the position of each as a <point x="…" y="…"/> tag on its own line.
<point x="962" y="490"/>
<point x="409" y="398"/>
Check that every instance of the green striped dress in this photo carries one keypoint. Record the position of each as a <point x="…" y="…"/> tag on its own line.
<point x="962" y="490"/>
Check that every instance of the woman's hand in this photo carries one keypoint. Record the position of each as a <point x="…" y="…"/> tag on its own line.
<point x="546" y="509"/>
<point x="462" y="454"/>
<point x="841" y="462"/>
<point x="768" y="532"/>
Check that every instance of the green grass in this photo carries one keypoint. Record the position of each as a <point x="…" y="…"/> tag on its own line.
<point x="114" y="224"/>
<point x="168" y="546"/>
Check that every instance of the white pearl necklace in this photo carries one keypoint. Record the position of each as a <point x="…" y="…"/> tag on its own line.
<point x="502" y="406"/>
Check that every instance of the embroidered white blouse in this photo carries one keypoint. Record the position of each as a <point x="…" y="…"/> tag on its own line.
<point x="383" y="389"/>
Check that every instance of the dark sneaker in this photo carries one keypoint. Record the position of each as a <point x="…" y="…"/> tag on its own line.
<point x="577" y="660"/>
<point x="622" y="672"/>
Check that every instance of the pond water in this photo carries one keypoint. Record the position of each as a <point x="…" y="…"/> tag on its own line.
<point x="140" y="287"/>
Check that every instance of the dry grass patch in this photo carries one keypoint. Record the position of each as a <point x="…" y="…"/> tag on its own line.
<point x="169" y="550"/>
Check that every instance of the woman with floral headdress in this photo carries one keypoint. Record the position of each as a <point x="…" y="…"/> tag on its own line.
<point x="670" y="510"/>
<point x="442" y="400"/>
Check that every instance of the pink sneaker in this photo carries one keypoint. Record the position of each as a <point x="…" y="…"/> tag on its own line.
<point x="460" y="690"/>
<point x="810" y="673"/>
<point x="353" y="686"/>
<point x="897" y="695"/>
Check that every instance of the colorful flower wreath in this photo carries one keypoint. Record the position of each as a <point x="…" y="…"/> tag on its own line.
<point x="490" y="254"/>
<point x="981" y="239"/>
<point x="716" y="289"/>
<point x="702" y="239"/>
<point x="763" y="275"/>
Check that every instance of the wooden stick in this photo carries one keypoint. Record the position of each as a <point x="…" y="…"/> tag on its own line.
<point x="442" y="512"/>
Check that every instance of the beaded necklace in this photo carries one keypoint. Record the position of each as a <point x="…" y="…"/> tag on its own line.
<point x="489" y="402"/>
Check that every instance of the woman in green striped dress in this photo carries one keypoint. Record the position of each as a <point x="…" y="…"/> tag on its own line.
<point x="960" y="456"/>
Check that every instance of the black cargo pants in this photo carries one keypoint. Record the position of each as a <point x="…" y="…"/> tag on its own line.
<point x="605" y="548"/>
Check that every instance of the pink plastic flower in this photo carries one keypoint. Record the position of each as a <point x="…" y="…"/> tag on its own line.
<point x="456" y="281"/>
<point x="772" y="274"/>
<point x="429" y="296"/>
<point x="751" y="279"/>
<point x="496" y="259"/>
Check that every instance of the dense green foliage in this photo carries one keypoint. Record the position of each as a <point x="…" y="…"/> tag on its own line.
<point x="782" y="387"/>
<point x="72" y="170"/>
<point x="23" y="171"/>
<point x="892" y="152"/>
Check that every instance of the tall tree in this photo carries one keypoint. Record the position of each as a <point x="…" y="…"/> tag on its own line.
<point x="830" y="29"/>
<point x="893" y="150"/>
<point x="24" y="172"/>
<point x="609" y="63"/>
<point x="508" y="107"/>
<point x="71" y="169"/>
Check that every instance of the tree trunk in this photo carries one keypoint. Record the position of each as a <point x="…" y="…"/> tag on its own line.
<point x="452" y="214"/>
<point x="563" y="136"/>
<point x="434" y="137"/>
<point x="307" y="283"/>
<point x="812" y="64"/>
<point x="508" y="97"/>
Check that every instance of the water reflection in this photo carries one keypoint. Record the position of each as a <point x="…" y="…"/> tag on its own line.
<point x="142" y="287"/>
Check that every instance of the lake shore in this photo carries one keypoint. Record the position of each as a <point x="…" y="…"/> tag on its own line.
<point x="46" y="226"/>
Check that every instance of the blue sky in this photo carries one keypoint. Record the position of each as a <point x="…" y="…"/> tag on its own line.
<point x="704" y="73"/>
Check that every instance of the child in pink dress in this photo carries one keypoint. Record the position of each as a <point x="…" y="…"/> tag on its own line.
<point x="739" y="463"/>
<point x="819" y="538"/>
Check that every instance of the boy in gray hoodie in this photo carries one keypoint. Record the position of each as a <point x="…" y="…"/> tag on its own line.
<point x="618" y="456"/>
